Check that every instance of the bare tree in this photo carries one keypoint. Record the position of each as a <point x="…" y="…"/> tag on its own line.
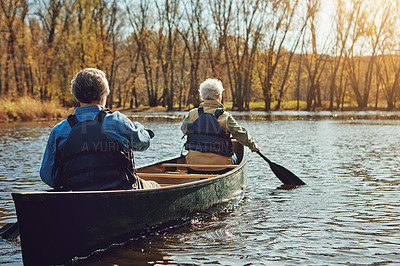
<point x="242" y="47"/>
<point x="388" y="76"/>
<point x="139" y="22"/>
<point x="388" y="62"/>
<point x="13" y="12"/>
<point x="371" y="31"/>
<point x="343" y="24"/>
<point x="288" y="64"/>
<point x="278" y="23"/>
<point x="108" y="28"/>
<point x="48" y="12"/>
<point x="168" y="18"/>
<point x="193" y="37"/>
<point x="314" y="62"/>
<point x="216" y="41"/>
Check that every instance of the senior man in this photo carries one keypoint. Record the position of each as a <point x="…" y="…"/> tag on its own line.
<point x="208" y="129"/>
<point x="93" y="148"/>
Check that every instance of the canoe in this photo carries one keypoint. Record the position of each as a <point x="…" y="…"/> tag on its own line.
<point x="56" y="227"/>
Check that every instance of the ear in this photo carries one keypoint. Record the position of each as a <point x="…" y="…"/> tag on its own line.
<point x="103" y="100"/>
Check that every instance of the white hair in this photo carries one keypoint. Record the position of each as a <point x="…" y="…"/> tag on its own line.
<point x="210" y="89"/>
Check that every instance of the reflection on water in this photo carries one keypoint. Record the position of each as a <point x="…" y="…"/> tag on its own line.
<point x="21" y="150"/>
<point x="348" y="213"/>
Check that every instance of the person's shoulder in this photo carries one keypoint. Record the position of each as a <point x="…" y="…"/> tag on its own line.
<point x="193" y="112"/>
<point x="61" y="126"/>
<point x="117" y="116"/>
<point x="118" y="122"/>
<point x="116" y="113"/>
<point x="60" y="130"/>
<point x="225" y="112"/>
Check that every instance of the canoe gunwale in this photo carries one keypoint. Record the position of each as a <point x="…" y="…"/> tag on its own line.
<point x="191" y="184"/>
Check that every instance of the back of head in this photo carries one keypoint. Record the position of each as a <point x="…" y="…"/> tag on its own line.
<point x="89" y="85"/>
<point x="210" y="89"/>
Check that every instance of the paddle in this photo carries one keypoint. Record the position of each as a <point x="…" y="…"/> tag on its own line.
<point x="9" y="231"/>
<point x="287" y="177"/>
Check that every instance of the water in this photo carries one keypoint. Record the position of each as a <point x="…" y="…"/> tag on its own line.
<point x="348" y="213"/>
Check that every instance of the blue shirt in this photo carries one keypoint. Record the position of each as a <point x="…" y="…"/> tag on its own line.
<point x="117" y="125"/>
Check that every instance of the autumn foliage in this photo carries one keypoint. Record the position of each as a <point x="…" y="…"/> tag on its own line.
<point x="156" y="53"/>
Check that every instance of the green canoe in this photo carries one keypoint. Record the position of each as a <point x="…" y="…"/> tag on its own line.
<point x="55" y="227"/>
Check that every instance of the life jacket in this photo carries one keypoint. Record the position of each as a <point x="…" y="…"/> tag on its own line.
<point x="90" y="159"/>
<point x="205" y="134"/>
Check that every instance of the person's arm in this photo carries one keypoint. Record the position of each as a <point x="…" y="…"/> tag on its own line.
<point x="140" y="138"/>
<point x="132" y="135"/>
<point x="185" y="123"/>
<point x="47" y="173"/>
<point x="241" y="134"/>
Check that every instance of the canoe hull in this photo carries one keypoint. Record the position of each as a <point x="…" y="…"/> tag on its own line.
<point x="55" y="227"/>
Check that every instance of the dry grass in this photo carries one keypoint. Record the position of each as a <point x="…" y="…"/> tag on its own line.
<point x="29" y="109"/>
<point x="3" y="116"/>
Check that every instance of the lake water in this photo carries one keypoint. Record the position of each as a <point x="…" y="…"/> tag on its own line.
<point x="348" y="213"/>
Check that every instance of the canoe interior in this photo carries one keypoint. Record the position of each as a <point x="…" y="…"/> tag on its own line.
<point x="167" y="174"/>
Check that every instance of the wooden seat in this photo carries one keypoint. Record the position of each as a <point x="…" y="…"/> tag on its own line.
<point x="164" y="165"/>
<point x="167" y="175"/>
<point x="173" y="179"/>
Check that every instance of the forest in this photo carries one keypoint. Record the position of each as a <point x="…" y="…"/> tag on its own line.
<point x="282" y="54"/>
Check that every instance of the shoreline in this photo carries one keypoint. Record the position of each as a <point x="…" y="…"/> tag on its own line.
<point x="157" y="115"/>
<point x="28" y="109"/>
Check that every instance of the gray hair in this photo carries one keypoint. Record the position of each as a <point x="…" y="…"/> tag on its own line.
<point x="89" y="85"/>
<point x="210" y="89"/>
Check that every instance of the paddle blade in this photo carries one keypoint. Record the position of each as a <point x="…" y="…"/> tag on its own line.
<point x="287" y="177"/>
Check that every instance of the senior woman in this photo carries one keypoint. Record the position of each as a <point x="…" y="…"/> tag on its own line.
<point x="93" y="148"/>
<point x="208" y="129"/>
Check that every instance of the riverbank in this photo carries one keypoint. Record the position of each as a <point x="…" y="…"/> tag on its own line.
<point x="27" y="109"/>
